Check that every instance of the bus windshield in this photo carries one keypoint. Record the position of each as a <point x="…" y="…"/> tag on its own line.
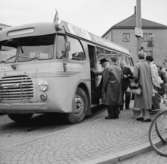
<point x="27" y="49"/>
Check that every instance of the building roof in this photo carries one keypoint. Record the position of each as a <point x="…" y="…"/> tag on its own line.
<point x="130" y="23"/>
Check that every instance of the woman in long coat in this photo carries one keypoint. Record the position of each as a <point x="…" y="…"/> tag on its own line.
<point x="142" y="72"/>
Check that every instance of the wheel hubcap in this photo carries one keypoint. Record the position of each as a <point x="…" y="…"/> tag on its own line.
<point x="79" y="104"/>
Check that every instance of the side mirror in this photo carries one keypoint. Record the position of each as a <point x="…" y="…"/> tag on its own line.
<point x="58" y="28"/>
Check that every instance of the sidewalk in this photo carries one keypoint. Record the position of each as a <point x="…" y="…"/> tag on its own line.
<point x="132" y="139"/>
<point x="94" y="141"/>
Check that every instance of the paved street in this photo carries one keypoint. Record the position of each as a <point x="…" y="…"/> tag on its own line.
<point x="54" y="141"/>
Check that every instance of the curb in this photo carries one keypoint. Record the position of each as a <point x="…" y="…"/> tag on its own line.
<point x="123" y="155"/>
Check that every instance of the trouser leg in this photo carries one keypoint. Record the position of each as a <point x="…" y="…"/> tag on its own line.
<point x="110" y="111"/>
<point x="141" y="114"/>
<point x="113" y="111"/>
<point x="146" y="114"/>
<point x="127" y="99"/>
<point x="116" y="111"/>
<point x="156" y="102"/>
<point x="122" y="105"/>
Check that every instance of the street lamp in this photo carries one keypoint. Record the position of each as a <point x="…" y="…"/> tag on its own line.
<point x="138" y="28"/>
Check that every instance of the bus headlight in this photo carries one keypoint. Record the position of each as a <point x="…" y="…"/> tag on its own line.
<point x="44" y="97"/>
<point x="43" y="88"/>
<point x="43" y="85"/>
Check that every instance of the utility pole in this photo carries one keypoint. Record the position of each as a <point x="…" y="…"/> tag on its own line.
<point x="138" y="28"/>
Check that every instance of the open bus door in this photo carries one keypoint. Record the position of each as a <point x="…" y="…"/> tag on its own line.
<point x="93" y="64"/>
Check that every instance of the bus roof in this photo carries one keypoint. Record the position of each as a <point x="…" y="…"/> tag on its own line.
<point x="27" y="30"/>
<point x="72" y="29"/>
<point x="38" y="29"/>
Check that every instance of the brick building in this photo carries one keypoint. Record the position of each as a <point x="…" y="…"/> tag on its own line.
<point x="154" y="38"/>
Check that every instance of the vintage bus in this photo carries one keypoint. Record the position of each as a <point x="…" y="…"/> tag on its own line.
<point x="46" y="68"/>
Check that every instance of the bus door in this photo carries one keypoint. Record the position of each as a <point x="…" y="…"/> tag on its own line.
<point x="93" y="61"/>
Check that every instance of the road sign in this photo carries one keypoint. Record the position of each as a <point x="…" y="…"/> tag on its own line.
<point x="138" y="32"/>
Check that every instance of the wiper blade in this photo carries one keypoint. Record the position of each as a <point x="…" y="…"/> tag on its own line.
<point x="10" y="58"/>
<point x="6" y="60"/>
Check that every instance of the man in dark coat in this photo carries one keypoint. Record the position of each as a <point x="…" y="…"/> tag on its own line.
<point x="111" y="87"/>
<point x="126" y="96"/>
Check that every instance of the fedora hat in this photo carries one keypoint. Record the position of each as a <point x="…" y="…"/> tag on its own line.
<point x="103" y="60"/>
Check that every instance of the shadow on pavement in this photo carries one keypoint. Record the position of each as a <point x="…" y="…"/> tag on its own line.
<point x="37" y="122"/>
<point x="45" y="122"/>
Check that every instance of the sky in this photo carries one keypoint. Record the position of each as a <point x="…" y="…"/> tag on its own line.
<point x="95" y="16"/>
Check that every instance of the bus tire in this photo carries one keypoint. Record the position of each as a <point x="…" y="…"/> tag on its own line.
<point x="20" y="118"/>
<point x="80" y="105"/>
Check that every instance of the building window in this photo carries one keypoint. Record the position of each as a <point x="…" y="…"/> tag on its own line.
<point x="149" y="52"/>
<point x="126" y="37"/>
<point x="150" y="43"/>
<point x="147" y="37"/>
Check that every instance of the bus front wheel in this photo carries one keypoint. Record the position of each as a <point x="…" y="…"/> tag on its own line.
<point x="20" y="118"/>
<point x="80" y="105"/>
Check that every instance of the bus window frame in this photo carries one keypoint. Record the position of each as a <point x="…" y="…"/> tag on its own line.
<point x="55" y="47"/>
<point x="85" y="56"/>
<point x="39" y="60"/>
<point x="127" y="60"/>
<point x="131" y="61"/>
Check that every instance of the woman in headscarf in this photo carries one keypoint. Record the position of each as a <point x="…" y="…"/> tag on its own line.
<point x="156" y="81"/>
<point x="142" y="72"/>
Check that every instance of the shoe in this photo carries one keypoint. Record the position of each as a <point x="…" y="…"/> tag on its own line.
<point x="127" y="108"/>
<point x="121" y="108"/>
<point x="108" y="117"/>
<point x="147" y="120"/>
<point x="140" y="119"/>
<point x="111" y="117"/>
<point x="116" y="116"/>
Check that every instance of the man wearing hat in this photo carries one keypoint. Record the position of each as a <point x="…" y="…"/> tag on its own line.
<point x="111" y="88"/>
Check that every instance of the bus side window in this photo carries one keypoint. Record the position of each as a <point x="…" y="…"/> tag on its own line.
<point x="127" y="60"/>
<point x="60" y="47"/>
<point x="131" y="61"/>
<point x="122" y="59"/>
<point x="76" y="51"/>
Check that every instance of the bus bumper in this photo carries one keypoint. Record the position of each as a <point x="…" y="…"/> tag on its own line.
<point x="23" y="108"/>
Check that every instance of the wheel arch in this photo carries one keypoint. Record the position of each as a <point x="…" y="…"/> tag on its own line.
<point x="85" y="88"/>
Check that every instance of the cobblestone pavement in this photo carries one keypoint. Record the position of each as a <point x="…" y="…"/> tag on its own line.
<point x="72" y="144"/>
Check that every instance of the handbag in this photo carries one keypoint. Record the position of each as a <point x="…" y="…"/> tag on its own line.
<point x="136" y="91"/>
<point x="135" y="87"/>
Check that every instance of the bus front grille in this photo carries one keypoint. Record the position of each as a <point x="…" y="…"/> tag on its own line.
<point x="18" y="87"/>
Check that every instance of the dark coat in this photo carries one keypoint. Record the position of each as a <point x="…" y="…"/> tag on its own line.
<point x="127" y="75"/>
<point x="111" y="86"/>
